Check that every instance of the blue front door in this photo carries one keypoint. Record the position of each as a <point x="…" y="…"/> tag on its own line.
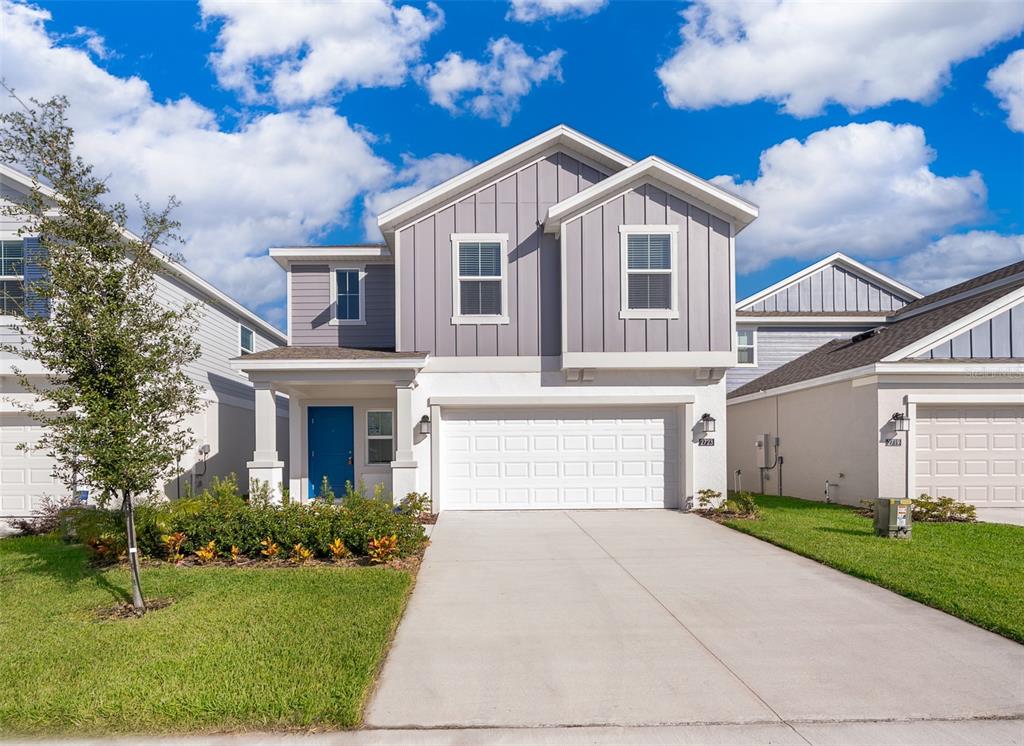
<point x="331" y="448"/>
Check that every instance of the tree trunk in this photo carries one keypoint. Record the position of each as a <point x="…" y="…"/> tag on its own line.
<point x="133" y="553"/>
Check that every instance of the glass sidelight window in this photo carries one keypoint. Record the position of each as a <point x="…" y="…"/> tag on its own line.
<point x="380" y="438"/>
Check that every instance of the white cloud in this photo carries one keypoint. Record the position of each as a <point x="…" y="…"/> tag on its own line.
<point x="861" y="188"/>
<point x="528" y="11"/>
<point x="490" y="89"/>
<point x="1007" y="83"/>
<point x="416" y="176"/>
<point x="956" y="258"/>
<point x="279" y="178"/>
<point x="92" y="41"/>
<point x="805" y="55"/>
<point x="304" y="51"/>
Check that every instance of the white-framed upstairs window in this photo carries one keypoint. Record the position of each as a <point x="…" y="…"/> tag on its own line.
<point x="746" y="347"/>
<point x="246" y="340"/>
<point x="479" y="278"/>
<point x="649" y="271"/>
<point x="12" y="278"/>
<point x="348" y="291"/>
<point x="380" y="436"/>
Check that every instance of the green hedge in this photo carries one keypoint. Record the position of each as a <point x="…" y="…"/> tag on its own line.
<point x="221" y="515"/>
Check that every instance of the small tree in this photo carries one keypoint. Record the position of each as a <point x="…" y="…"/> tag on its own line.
<point x="114" y="355"/>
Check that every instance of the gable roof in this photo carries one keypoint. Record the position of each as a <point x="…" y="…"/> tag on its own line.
<point x="736" y="209"/>
<point x="838" y="259"/>
<point x="1005" y="274"/>
<point x="176" y="269"/>
<point x="559" y="135"/>
<point x="889" y="342"/>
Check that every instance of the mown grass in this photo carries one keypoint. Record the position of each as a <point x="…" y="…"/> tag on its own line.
<point x="972" y="570"/>
<point x="237" y="649"/>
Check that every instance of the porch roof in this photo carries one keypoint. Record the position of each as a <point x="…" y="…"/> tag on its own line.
<point x="328" y="358"/>
<point x="329" y="352"/>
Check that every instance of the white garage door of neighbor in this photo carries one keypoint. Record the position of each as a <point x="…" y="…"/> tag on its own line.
<point x="25" y="476"/>
<point x="516" y="459"/>
<point x="972" y="453"/>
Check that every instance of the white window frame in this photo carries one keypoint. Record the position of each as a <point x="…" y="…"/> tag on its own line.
<point x="625" y="312"/>
<point x="6" y="318"/>
<point x="361" y="269"/>
<point x="502" y="240"/>
<point x="367" y="437"/>
<point x="242" y="350"/>
<point x="752" y="346"/>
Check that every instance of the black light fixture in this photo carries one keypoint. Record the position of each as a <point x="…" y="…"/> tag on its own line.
<point x="707" y="423"/>
<point x="424" y="425"/>
<point x="900" y="422"/>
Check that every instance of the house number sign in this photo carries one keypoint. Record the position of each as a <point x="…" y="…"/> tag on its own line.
<point x="706" y="441"/>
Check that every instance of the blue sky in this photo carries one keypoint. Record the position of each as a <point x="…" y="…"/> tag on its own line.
<point x="273" y="127"/>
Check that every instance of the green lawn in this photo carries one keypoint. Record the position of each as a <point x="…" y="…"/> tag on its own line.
<point x="238" y="648"/>
<point x="972" y="570"/>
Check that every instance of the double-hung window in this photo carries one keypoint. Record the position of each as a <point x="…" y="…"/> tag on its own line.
<point x="479" y="278"/>
<point x="380" y="438"/>
<point x="246" y="340"/>
<point x="12" y="278"/>
<point x="649" y="282"/>
<point x="746" y="347"/>
<point x="348" y="291"/>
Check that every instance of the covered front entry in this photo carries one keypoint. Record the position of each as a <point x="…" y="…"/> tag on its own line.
<point x="331" y="456"/>
<point x="550" y="457"/>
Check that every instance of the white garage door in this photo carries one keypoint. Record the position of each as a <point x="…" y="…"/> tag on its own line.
<point x="25" y="476"/>
<point x="972" y="453"/>
<point x="559" y="458"/>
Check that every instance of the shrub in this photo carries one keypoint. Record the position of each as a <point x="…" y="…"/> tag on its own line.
<point x="416" y="504"/>
<point x="207" y="553"/>
<point x="942" y="510"/>
<point x="300" y="555"/>
<point x="236" y="554"/>
<point x="338" y="549"/>
<point x="383" y="548"/>
<point x="172" y="543"/>
<point x="46" y="518"/>
<point x="740" y="504"/>
<point x="707" y="499"/>
<point x="270" y="549"/>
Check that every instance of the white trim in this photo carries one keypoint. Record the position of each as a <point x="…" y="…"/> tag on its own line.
<point x="963" y="324"/>
<point x="646" y="360"/>
<point x="563" y="299"/>
<point x="559" y="400"/>
<point x="964" y="294"/>
<point x="398" y="295"/>
<point x="173" y="268"/>
<point x="956" y="398"/>
<point x="752" y="346"/>
<point x="738" y="210"/>
<point x="672" y="312"/>
<point x="502" y="240"/>
<point x="951" y="367"/>
<point x="286" y="255"/>
<point x="347" y="267"/>
<point x="611" y="160"/>
<point x="367" y="437"/>
<point x="330" y="364"/>
<point x="836" y="258"/>
<point x="800" y="385"/>
<point x="494" y="364"/>
<point x="289" y="320"/>
<point x="812" y="320"/>
<point x="242" y="350"/>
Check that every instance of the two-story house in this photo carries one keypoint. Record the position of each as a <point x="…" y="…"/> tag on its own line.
<point x="223" y="430"/>
<point x="548" y="329"/>
<point x="835" y="298"/>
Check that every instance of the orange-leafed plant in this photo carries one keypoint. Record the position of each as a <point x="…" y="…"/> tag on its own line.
<point x="338" y="549"/>
<point x="270" y="549"/>
<point x="383" y="548"/>
<point x="300" y="555"/>
<point x="172" y="543"/>
<point x="207" y="553"/>
<point x="236" y="554"/>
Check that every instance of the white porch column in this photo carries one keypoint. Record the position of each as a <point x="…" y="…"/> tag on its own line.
<point x="296" y="463"/>
<point x="265" y="466"/>
<point x="403" y="468"/>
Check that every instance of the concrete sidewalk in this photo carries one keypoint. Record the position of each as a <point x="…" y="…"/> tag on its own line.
<point x="658" y="618"/>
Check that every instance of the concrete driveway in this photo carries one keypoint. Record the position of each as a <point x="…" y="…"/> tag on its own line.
<point x="648" y="618"/>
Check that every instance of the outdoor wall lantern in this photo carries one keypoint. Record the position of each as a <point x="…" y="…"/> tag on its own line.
<point x="424" y="425"/>
<point x="707" y="424"/>
<point x="900" y="422"/>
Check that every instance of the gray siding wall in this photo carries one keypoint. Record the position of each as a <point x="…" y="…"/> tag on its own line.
<point x="515" y="205"/>
<point x="1000" y="337"/>
<point x="593" y="278"/>
<point x="776" y="346"/>
<point x="312" y="309"/>
<point x="832" y="289"/>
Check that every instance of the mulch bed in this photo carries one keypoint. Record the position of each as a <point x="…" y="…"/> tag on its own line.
<point x="125" y="610"/>
<point x="718" y="517"/>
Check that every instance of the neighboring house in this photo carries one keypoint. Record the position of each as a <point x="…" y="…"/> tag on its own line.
<point x="545" y="330"/>
<point x="224" y="430"/>
<point x="930" y="401"/>
<point x="835" y="298"/>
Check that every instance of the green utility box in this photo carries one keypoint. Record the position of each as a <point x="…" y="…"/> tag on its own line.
<point x="893" y="517"/>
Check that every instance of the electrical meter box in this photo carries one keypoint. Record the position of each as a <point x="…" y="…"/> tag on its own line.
<point x="893" y="517"/>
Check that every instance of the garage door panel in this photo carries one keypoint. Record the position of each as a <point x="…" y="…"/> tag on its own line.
<point x="971" y="453"/>
<point x="559" y="458"/>
<point x="26" y="476"/>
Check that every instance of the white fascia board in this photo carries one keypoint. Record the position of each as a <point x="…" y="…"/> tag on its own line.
<point x="842" y="260"/>
<point x="811" y="320"/>
<point x="409" y="363"/>
<point x="959" y="326"/>
<point x="558" y="135"/>
<point x="648" y="360"/>
<point x="740" y="212"/>
<point x="176" y="269"/>
<point x="561" y="400"/>
<point x="285" y="255"/>
<point x="976" y="369"/>
<point x="960" y="398"/>
<point x="854" y="373"/>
